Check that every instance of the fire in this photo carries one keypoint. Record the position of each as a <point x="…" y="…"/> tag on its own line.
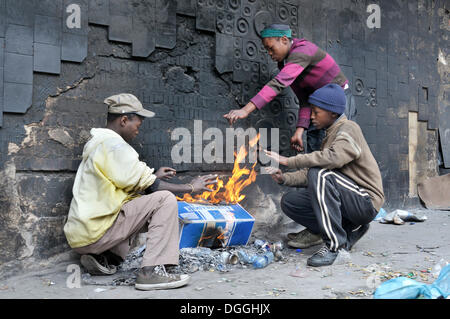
<point x="231" y="191"/>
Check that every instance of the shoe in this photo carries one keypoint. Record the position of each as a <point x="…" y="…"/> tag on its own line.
<point x="97" y="265"/>
<point x="292" y="236"/>
<point x="305" y="239"/>
<point x="355" y="235"/>
<point x="159" y="279"/>
<point x="112" y="258"/>
<point x="323" y="257"/>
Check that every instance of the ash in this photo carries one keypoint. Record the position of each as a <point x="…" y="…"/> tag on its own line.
<point x="196" y="259"/>
<point x="191" y="260"/>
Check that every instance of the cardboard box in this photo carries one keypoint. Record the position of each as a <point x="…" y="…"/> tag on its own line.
<point x="213" y="226"/>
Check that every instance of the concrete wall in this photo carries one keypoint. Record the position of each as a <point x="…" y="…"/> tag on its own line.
<point x="189" y="60"/>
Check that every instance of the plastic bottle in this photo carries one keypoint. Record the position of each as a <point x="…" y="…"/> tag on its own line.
<point x="438" y="267"/>
<point x="246" y="258"/>
<point x="262" y="244"/>
<point x="264" y="260"/>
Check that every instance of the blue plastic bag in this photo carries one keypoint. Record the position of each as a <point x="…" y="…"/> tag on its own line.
<point x="406" y="288"/>
<point x="381" y="213"/>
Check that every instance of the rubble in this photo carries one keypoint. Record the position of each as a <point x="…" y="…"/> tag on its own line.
<point x="191" y="260"/>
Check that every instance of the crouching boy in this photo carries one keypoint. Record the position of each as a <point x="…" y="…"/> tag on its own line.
<point x="342" y="189"/>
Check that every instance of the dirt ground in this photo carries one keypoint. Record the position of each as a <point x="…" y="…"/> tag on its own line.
<point x="387" y="251"/>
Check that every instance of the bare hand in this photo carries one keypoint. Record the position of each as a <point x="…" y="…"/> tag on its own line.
<point x="235" y="115"/>
<point x="276" y="173"/>
<point x="297" y="140"/>
<point x="165" y="173"/>
<point x="200" y="183"/>
<point x="277" y="157"/>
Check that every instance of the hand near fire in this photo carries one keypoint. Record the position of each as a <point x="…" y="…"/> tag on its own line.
<point x="199" y="183"/>
<point x="276" y="173"/>
<point x="235" y="115"/>
<point x="277" y="157"/>
<point x="165" y="173"/>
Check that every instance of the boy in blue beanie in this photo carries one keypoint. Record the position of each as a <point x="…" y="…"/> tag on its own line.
<point x="342" y="189"/>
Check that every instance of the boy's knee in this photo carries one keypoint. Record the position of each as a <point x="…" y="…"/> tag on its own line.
<point x="287" y="200"/>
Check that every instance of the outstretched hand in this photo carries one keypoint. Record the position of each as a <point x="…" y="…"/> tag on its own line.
<point x="165" y="173"/>
<point x="200" y="183"/>
<point x="235" y="115"/>
<point x="277" y="157"/>
<point x="276" y="174"/>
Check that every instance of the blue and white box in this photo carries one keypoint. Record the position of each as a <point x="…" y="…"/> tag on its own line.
<point x="213" y="226"/>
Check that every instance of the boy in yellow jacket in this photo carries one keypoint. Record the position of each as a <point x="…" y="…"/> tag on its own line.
<point x="343" y="189"/>
<point x="109" y="209"/>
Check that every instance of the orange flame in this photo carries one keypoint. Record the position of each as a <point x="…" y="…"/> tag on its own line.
<point x="231" y="192"/>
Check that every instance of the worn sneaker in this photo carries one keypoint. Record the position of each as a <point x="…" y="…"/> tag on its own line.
<point x="305" y="239"/>
<point x="97" y="265"/>
<point x="355" y="235"/>
<point x="292" y="236"/>
<point x="323" y="257"/>
<point x="159" y="279"/>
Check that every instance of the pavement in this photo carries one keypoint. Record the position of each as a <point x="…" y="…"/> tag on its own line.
<point x="385" y="252"/>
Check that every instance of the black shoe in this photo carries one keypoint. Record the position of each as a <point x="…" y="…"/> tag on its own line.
<point x="355" y="235"/>
<point x="323" y="257"/>
<point x="97" y="265"/>
<point x="112" y="258"/>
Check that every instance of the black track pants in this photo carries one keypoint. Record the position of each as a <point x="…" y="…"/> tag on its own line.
<point x="331" y="205"/>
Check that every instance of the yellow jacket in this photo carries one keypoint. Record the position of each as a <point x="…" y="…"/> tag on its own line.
<point x="109" y="175"/>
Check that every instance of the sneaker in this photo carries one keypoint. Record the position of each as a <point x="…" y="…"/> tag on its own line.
<point x="159" y="279"/>
<point x="292" y="236"/>
<point x="323" y="257"/>
<point x="355" y="235"/>
<point x="305" y="239"/>
<point x="97" y="265"/>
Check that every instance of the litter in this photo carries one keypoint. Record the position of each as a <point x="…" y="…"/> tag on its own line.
<point x="399" y="217"/>
<point x="407" y="288"/>
<point x="438" y="267"/>
<point x="264" y="260"/>
<point x="99" y="289"/>
<point x="298" y="272"/>
<point x="343" y="257"/>
<point x="381" y="214"/>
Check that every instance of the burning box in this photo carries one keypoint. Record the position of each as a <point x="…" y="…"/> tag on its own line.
<point x="213" y="226"/>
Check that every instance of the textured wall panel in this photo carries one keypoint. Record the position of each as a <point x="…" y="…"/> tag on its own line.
<point x="2" y="18"/>
<point x="206" y="16"/>
<point x="47" y="30"/>
<point x="20" y="12"/>
<point x="74" y="47"/>
<point x="47" y="58"/>
<point x="19" y="39"/>
<point x="17" y="97"/>
<point x="166" y="24"/>
<point x="99" y="12"/>
<point x="144" y="29"/>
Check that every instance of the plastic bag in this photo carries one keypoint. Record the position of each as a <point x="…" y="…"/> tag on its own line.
<point x="406" y="288"/>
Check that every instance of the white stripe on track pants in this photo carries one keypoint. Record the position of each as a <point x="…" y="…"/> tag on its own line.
<point x="331" y="205"/>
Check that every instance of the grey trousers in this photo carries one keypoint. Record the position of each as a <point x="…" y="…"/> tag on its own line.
<point x="332" y="205"/>
<point x="156" y="214"/>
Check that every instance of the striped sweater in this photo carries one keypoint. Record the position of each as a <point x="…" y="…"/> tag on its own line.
<point x="306" y="69"/>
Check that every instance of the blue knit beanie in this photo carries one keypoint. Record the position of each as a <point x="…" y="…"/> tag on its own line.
<point x="330" y="97"/>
